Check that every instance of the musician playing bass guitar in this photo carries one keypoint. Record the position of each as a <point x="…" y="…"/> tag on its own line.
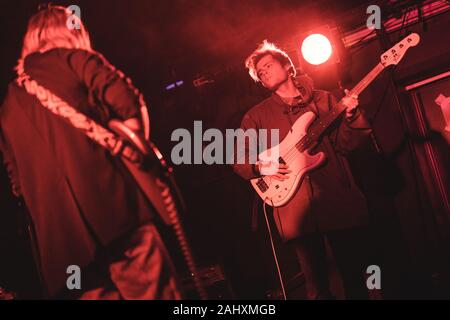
<point x="327" y="203"/>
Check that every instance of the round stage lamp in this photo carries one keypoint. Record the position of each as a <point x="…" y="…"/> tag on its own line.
<point x="316" y="49"/>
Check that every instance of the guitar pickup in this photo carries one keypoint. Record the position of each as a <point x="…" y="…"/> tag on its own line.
<point x="262" y="185"/>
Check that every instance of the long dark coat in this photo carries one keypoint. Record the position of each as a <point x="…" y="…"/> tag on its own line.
<point x="79" y="197"/>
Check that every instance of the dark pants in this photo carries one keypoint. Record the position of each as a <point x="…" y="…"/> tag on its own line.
<point x="351" y="252"/>
<point x="136" y="267"/>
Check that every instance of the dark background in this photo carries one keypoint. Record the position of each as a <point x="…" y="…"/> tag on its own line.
<point x="159" y="42"/>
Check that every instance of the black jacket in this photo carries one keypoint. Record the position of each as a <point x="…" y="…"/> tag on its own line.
<point x="328" y="198"/>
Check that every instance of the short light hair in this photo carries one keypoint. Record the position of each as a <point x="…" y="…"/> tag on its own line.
<point x="47" y="29"/>
<point x="268" y="48"/>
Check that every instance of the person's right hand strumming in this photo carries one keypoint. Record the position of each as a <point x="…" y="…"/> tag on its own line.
<point x="275" y="170"/>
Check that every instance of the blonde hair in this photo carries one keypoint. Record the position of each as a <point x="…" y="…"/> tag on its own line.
<point x="264" y="49"/>
<point x="48" y="29"/>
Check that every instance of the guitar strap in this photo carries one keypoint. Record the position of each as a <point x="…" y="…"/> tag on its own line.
<point x="102" y="136"/>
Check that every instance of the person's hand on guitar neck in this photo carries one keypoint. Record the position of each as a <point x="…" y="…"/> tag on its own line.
<point x="351" y="102"/>
<point x="271" y="169"/>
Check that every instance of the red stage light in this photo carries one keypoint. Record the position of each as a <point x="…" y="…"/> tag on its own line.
<point x="316" y="49"/>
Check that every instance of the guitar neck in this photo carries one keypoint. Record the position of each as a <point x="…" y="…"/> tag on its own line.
<point x="319" y="127"/>
<point x="361" y="85"/>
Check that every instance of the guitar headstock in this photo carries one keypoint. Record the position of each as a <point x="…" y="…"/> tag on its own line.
<point x="396" y="53"/>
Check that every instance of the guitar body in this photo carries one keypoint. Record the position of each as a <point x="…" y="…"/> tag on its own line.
<point x="277" y="193"/>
